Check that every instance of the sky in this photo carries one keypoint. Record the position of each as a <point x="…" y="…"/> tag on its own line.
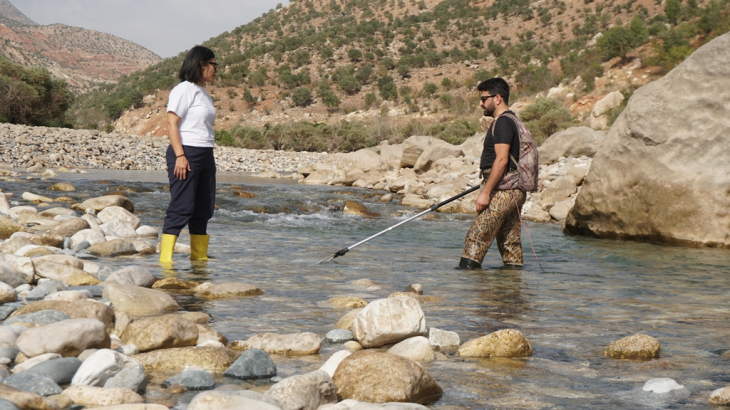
<point x="165" y="27"/>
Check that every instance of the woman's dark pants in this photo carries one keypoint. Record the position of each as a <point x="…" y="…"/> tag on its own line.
<point x="193" y="198"/>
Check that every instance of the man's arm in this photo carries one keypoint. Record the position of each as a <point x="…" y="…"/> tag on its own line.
<point x="495" y="176"/>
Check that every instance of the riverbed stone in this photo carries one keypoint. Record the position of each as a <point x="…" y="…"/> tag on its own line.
<point x="330" y="366"/>
<point x="67" y="338"/>
<point x="345" y="322"/>
<point x="42" y="317"/>
<point x="36" y="383"/>
<point x="70" y="295"/>
<point x="502" y="343"/>
<point x="304" y="391"/>
<point x="7" y="405"/>
<point x="132" y="275"/>
<point x="115" y="247"/>
<point x="7" y="293"/>
<point x="47" y="239"/>
<point x="390" y="320"/>
<point x="192" y="379"/>
<point x="213" y="359"/>
<point x="200" y="318"/>
<point x="61" y="370"/>
<point x="90" y="236"/>
<point x="559" y="190"/>
<point x="47" y="268"/>
<point x="26" y="363"/>
<point x="380" y="378"/>
<point x="138" y="301"/>
<point x="229" y="290"/>
<point x="132" y="378"/>
<point x="252" y="364"/>
<point x="99" y="203"/>
<point x="351" y="302"/>
<point x="8" y="308"/>
<point x="336" y="336"/>
<point x="294" y="344"/>
<point x="9" y="352"/>
<point x="100" y="366"/>
<point x="207" y="333"/>
<point x="720" y="397"/>
<point x="161" y="332"/>
<point x="119" y="229"/>
<point x="34" y="250"/>
<point x="572" y="142"/>
<point x="25" y="400"/>
<point x="62" y="186"/>
<point x="69" y="227"/>
<point x="74" y="310"/>
<point x="638" y="346"/>
<point x="416" y="348"/>
<point x="8" y="227"/>
<point x="230" y="400"/>
<point x="118" y="213"/>
<point x="98" y="396"/>
<point x="173" y="283"/>
<point x="9" y="276"/>
<point x="443" y="340"/>
<point x="45" y="289"/>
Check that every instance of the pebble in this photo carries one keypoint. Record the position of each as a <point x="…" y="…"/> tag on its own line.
<point x="253" y="364"/>
<point x="192" y="379"/>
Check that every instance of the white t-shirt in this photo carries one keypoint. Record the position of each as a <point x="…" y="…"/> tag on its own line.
<point x="195" y="108"/>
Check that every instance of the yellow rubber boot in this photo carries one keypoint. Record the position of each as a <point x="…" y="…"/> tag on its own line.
<point x="199" y="247"/>
<point x="167" y="245"/>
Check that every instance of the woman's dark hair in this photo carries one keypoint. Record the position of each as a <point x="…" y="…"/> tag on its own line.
<point x="496" y="85"/>
<point x="192" y="66"/>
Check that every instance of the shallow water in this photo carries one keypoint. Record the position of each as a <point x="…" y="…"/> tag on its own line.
<point x="591" y="292"/>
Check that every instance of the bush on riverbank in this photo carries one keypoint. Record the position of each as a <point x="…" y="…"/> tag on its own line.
<point x="32" y="96"/>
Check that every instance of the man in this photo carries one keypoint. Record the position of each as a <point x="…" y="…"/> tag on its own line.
<point x="498" y="209"/>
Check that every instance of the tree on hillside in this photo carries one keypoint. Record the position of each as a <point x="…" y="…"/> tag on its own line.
<point x="616" y="42"/>
<point x="388" y="90"/>
<point x="672" y="9"/>
<point x="302" y="97"/>
<point x="354" y="54"/>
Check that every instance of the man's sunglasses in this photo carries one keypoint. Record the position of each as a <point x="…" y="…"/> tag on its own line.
<point x="484" y="98"/>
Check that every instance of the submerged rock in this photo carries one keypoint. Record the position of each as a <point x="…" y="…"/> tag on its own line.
<point x="502" y="343"/>
<point x="638" y="346"/>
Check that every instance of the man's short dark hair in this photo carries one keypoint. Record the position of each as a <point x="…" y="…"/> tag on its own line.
<point x="192" y="66"/>
<point x="496" y="85"/>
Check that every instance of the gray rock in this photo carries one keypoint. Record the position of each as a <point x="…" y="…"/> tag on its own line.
<point x="10" y="276"/>
<point x="42" y="317"/>
<point x="81" y="246"/>
<point x="132" y="378"/>
<point x="573" y="142"/>
<point x="95" y="290"/>
<point x="253" y="364"/>
<point x="103" y="273"/>
<point x="60" y="370"/>
<point x="132" y="275"/>
<point x="45" y="289"/>
<point x="38" y="383"/>
<point x="7" y="405"/>
<point x="8" y="309"/>
<point x="9" y="353"/>
<point x="192" y="379"/>
<point x="336" y="336"/>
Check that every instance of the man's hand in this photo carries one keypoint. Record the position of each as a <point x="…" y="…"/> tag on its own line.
<point x="483" y="201"/>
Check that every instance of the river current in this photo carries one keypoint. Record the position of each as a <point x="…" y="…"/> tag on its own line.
<point x="587" y="294"/>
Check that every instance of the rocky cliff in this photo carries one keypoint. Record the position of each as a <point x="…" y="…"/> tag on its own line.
<point x="663" y="172"/>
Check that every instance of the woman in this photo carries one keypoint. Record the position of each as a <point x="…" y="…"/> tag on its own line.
<point x="190" y="161"/>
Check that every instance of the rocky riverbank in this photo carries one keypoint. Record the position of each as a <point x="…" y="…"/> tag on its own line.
<point x="43" y="147"/>
<point x="77" y="333"/>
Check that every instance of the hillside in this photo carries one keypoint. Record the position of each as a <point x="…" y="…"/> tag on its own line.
<point x="84" y="58"/>
<point x="403" y="67"/>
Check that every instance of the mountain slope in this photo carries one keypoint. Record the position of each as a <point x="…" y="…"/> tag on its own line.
<point x="84" y="58"/>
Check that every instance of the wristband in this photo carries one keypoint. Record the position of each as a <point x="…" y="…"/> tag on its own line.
<point x="180" y="156"/>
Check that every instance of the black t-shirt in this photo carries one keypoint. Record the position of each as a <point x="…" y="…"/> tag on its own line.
<point x="505" y="132"/>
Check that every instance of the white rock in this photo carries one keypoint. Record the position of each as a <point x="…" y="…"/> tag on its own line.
<point x="100" y="367"/>
<point x="331" y="364"/>
<point x="147" y="232"/>
<point x="443" y="340"/>
<point x="117" y="213"/>
<point x="416" y="348"/>
<point x="118" y="228"/>
<point x="89" y="235"/>
<point x="661" y="385"/>
<point x="389" y="320"/>
<point x="22" y="367"/>
<point x="67" y="337"/>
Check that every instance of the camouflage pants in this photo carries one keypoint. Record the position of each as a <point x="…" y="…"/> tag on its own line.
<point x="501" y="220"/>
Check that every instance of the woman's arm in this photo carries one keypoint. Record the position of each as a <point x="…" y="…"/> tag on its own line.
<point x="173" y="129"/>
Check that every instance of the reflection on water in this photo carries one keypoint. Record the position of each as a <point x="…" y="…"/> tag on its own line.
<point x="591" y="293"/>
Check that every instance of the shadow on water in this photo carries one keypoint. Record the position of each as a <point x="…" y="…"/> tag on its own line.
<point x="591" y="293"/>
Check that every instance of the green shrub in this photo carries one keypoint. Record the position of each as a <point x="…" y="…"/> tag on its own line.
<point x="387" y="63"/>
<point x="455" y="132"/>
<point x="388" y="90"/>
<point x="224" y="138"/>
<point x="349" y="84"/>
<point x="330" y="100"/>
<point x="363" y="74"/>
<point x="354" y="54"/>
<point x="544" y="117"/>
<point x="430" y="89"/>
<point x="248" y="97"/>
<point x="446" y="83"/>
<point x="302" y="97"/>
<point x="616" y="42"/>
<point x="370" y="99"/>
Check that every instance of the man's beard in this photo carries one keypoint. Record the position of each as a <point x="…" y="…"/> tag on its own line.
<point x="488" y="112"/>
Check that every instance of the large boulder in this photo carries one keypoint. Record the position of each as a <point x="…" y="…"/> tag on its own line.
<point x="413" y="147"/>
<point x="138" y="301"/>
<point x="365" y="160"/>
<point x="437" y="150"/>
<point x="391" y="155"/>
<point x="67" y="338"/>
<point x="390" y="320"/>
<point x="664" y="170"/>
<point x="380" y="378"/>
<point x="474" y="145"/>
<point x="599" y="116"/>
<point x="573" y="142"/>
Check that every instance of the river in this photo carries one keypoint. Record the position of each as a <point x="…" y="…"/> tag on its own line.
<point x="590" y="293"/>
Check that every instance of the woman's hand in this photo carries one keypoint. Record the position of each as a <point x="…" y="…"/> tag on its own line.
<point x="182" y="166"/>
